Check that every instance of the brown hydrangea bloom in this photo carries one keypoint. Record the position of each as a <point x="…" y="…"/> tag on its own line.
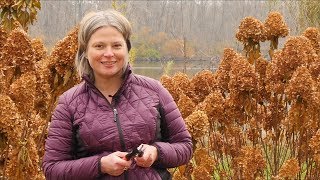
<point x="289" y="169"/>
<point x="203" y="83"/>
<point x="204" y="160"/>
<point x="201" y="173"/>
<point x="213" y="105"/>
<point x="18" y="52"/>
<point x="22" y="92"/>
<point x="217" y="142"/>
<point x="178" y="176"/>
<point x="301" y="86"/>
<point x="315" y="146"/>
<point x="275" y="114"/>
<point x="275" y="78"/>
<point x="10" y="121"/>
<point x="186" y="105"/>
<point x="233" y="136"/>
<point x="275" y="26"/>
<point x="224" y="68"/>
<point x="314" y="68"/>
<point x="3" y="38"/>
<point x="261" y="68"/>
<point x="64" y="53"/>
<point x="169" y="84"/>
<point x="243" y="76"/>
<point x="197" y="124"/>
<point x="297" y="51"/>
<point x="40" y="52"/>
<point x="23" y="161"/>
<point x="182" y="82"/>
<point x="43" y="89"/>
<point x="251" y="29"/>
<point x="5" y="3"/>
<point x="302" y="118"/>
<point x="313" y="34"/>
<point x="250" y="163"/>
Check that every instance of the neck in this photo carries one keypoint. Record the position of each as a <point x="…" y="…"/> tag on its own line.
<point x="108" y="86"/>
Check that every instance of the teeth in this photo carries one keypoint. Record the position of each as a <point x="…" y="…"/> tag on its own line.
<point x="108" y="62"/>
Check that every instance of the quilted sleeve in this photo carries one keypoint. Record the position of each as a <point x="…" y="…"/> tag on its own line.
<point x="58" y="162"/>
<point x="178" y="150"/>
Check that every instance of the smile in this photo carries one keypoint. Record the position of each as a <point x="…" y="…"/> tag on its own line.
<point x="108" y="62"/>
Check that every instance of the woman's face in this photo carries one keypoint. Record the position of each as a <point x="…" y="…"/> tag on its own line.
<point x="107" y="52"/>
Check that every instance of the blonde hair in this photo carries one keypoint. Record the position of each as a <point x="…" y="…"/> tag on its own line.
<point x="92" y="22"/>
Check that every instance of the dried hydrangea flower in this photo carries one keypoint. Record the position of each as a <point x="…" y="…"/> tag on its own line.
<point x="18" y="52"/>
<point x="201" y="173"/>
<point x="222" y="73"/>
<point x="22" y="92"/>
<point x="178" y="176"/>
<point x="203" y="83"/>
<point x="243" y="76"/>
<point x="213" y="105"/>
<point x="5" y="3"/>
<point x="40" y="52"/>
<point x="3" y="38"/>
<point x="197" y="124"/>
<point x="217" y="142"/>
<point x="313" y="34"/>
<point x="251" y="29"/>
<point x="250" y="163"/>
<point x="169" y="84"/>
<point x="185" y="105"/>
<point x="289" y="169"/>
<point x="204" y="160"/>
<point x="275" y="27"/>
<point x="301" y="85"/>
<point x="297" y="51"/>
<point x="182" y="82"/>
<point x="315" y="146"/>
<point x="261" y="68"/>
<point x="64" y="52"/>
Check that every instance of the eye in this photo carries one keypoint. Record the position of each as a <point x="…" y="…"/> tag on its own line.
<point x="98" y="46"/>
<point x="117" y="46"/>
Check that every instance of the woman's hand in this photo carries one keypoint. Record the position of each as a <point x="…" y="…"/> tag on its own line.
<point x="150" y="154"/>
<point x="114" y="164"/>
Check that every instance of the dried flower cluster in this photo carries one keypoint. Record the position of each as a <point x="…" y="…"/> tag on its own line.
<point x="249" y="164"/>
<point x="197" y="124"/>
<point x="275" y="26"/>
<point x="289" y="169"/>
<point x="251" y="29"/>
<point x="5" y="3"/>
<point x="313" y="34"/>
<point x="255" y="119"/>
<point x="30" y="84"/>
<point x="223" y="77"/>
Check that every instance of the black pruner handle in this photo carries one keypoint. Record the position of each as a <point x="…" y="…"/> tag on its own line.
<point x="134" y="153"/>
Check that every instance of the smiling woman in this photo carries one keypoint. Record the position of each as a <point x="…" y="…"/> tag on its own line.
<point x="112" y="112"/>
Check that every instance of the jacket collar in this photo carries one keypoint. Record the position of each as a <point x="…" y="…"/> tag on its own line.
<point x="126" y="79"/>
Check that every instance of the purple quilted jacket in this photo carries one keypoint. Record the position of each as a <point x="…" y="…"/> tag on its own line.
<point x="85" y="127"/>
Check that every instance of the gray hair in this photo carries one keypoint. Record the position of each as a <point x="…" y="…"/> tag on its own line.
<point x="90" y="24"/>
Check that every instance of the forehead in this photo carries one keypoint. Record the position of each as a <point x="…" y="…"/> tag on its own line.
<point x="105" y="33"/>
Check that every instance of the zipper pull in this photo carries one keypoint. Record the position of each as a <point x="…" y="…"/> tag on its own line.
<point x="115" y="113"/>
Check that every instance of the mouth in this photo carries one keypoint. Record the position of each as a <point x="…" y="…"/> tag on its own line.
<point x="108" y="62"/>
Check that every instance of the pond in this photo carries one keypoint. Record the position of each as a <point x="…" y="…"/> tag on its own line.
<point x="156" y="69"/>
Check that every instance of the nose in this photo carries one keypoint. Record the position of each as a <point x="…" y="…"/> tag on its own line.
<point x="108" y="52"/>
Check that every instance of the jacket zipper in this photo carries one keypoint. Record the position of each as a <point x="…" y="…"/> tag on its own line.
<point x="116" y="119"/>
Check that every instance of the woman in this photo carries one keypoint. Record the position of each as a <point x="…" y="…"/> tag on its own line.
<point x="112" y="112"/>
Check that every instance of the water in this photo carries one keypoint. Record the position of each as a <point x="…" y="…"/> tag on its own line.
<point x="156" y="69"/>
